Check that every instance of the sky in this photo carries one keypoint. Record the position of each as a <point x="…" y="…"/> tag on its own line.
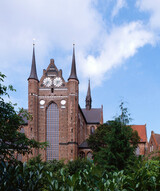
<point x="117" y="46"/>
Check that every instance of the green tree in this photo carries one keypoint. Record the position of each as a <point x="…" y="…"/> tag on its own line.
<point x="114" y="143"/>
<point x="11" y="139"/>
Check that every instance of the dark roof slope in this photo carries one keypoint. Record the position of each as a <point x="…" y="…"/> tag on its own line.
<point x="93" y="115"/>
<point x="84" y="145"/>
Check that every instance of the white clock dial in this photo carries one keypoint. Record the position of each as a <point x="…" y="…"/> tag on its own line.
<point x="42" y="102"/>
<point x="63" y="102"/>
<point x="57" y="81"/>
<point x="47" y="82"/>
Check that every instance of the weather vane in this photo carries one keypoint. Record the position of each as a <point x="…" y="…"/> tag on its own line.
<point x="34" y="41"/>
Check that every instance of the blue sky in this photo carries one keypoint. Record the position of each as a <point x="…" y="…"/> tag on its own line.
<point x="117" y="47"/>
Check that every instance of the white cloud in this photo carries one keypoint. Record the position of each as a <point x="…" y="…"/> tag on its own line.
<point x="59" y="23"/>
<point x="56" y="21"/>
<point x="122" y="43"/>
<point x="119" y="5"/>
<point x="154" y="8"/>
<point x="55" y="24"/>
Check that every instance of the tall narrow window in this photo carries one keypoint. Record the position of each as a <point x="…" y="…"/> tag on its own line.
<point x="92" y="130"/>
<point x="53" y="132"/>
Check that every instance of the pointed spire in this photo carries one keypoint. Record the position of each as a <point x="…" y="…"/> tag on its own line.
<point x="88" y="97"/>
<point x="33" y="74"/>
<point x="73" y="74"/>
<point x="89" y="89"/>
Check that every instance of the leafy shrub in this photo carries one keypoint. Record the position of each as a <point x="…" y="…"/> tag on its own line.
<point x="54" y="165"/>
<point x="146" y="176"/>
<point x="20" y="177"/>
<point x="77" y="165"/>
<point x="78" y="175"/>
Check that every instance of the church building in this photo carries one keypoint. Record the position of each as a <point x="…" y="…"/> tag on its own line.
<point x="57" y="115"/>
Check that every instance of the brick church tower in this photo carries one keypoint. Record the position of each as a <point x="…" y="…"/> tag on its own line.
<point x="33" y="92"/>
<point x="57" y="115"/>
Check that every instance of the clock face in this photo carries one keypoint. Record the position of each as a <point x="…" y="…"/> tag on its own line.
<point x="57" y="81"/>
<point x="47" y="82"/>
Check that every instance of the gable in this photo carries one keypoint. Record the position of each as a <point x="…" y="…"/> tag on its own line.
<point x="141" y="129"/>
<point x="157" y="137"/>
<point x="51" y="72"/>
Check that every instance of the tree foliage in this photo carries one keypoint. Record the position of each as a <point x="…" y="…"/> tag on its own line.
<point x="11" y="139"/>
<point x="114" y="143"/>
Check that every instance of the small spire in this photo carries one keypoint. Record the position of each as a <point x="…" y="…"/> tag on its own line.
<point x="33" y="74"/>
<point x="73" y="74"/>
<point x="88" y="97"/>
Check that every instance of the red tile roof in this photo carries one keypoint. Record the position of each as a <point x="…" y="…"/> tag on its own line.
<point x="157" y="137"/>
<point x="141" y="129"/>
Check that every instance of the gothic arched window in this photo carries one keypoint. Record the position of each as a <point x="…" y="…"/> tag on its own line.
<point x="53" y="132"/>
<point x="92" y="130"/>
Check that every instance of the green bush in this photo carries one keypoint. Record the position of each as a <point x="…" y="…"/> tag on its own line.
<point x="77" y="165"/>
<point x="78" y="175"/>
<point x="20" y="177"/>
<point x="145" y="176"/>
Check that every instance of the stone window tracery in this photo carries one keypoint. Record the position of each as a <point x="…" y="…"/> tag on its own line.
<point x="53" y="132"/>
